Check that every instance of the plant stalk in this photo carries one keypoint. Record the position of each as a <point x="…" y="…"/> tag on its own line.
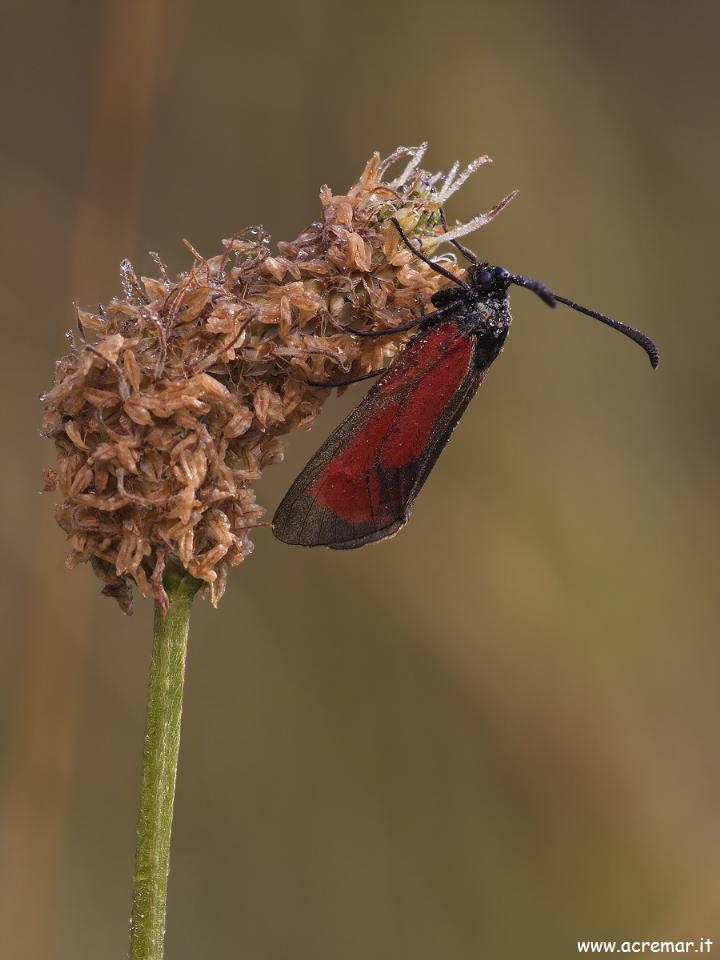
<point x="159" y="768"/>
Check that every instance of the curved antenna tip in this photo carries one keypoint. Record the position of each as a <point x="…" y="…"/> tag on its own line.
<point x="637" y="336"/>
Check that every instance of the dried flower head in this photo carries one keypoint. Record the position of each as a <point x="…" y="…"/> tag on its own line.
<point x="175" y="397"/>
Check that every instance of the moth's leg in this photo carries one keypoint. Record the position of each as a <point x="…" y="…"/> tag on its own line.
<point x="465" y="251"/>
<point x="425" y="318"/>
<point x="433" y="266"/>
<point x="347" y="383"/>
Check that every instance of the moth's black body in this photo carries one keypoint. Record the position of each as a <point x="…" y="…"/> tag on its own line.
<point x="482" y="307"/>
<point x="361" y="484"/>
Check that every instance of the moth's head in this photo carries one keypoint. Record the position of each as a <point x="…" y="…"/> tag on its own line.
<point x="489" y="281"/>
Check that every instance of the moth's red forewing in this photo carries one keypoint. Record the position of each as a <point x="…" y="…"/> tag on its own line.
<point x="360" y="485"/>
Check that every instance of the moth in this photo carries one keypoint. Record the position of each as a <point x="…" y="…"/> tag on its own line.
<point x="361" y="485"/>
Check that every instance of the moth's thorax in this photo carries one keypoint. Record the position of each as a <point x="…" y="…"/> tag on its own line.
<point x="487" y="315"/>
<point x="482" y="308"/>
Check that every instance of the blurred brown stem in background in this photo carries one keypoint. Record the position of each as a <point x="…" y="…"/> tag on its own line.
<point x="48" y="704"/>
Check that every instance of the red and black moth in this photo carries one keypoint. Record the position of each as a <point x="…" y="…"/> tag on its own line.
<point x="361" y="484"/>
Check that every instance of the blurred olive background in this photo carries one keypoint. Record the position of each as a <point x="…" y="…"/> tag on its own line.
<point x="497" y="733"/>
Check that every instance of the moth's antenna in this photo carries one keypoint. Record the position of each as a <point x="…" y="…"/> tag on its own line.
<point x="537" y="287"/>
<point x="433" y="266"/>
<point x="549" y="297"/>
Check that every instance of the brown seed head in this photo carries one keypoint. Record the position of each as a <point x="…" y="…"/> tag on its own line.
<point x="175" y="397"/>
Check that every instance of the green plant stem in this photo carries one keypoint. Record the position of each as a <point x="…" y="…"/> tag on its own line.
<point x="160" y="758"/>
